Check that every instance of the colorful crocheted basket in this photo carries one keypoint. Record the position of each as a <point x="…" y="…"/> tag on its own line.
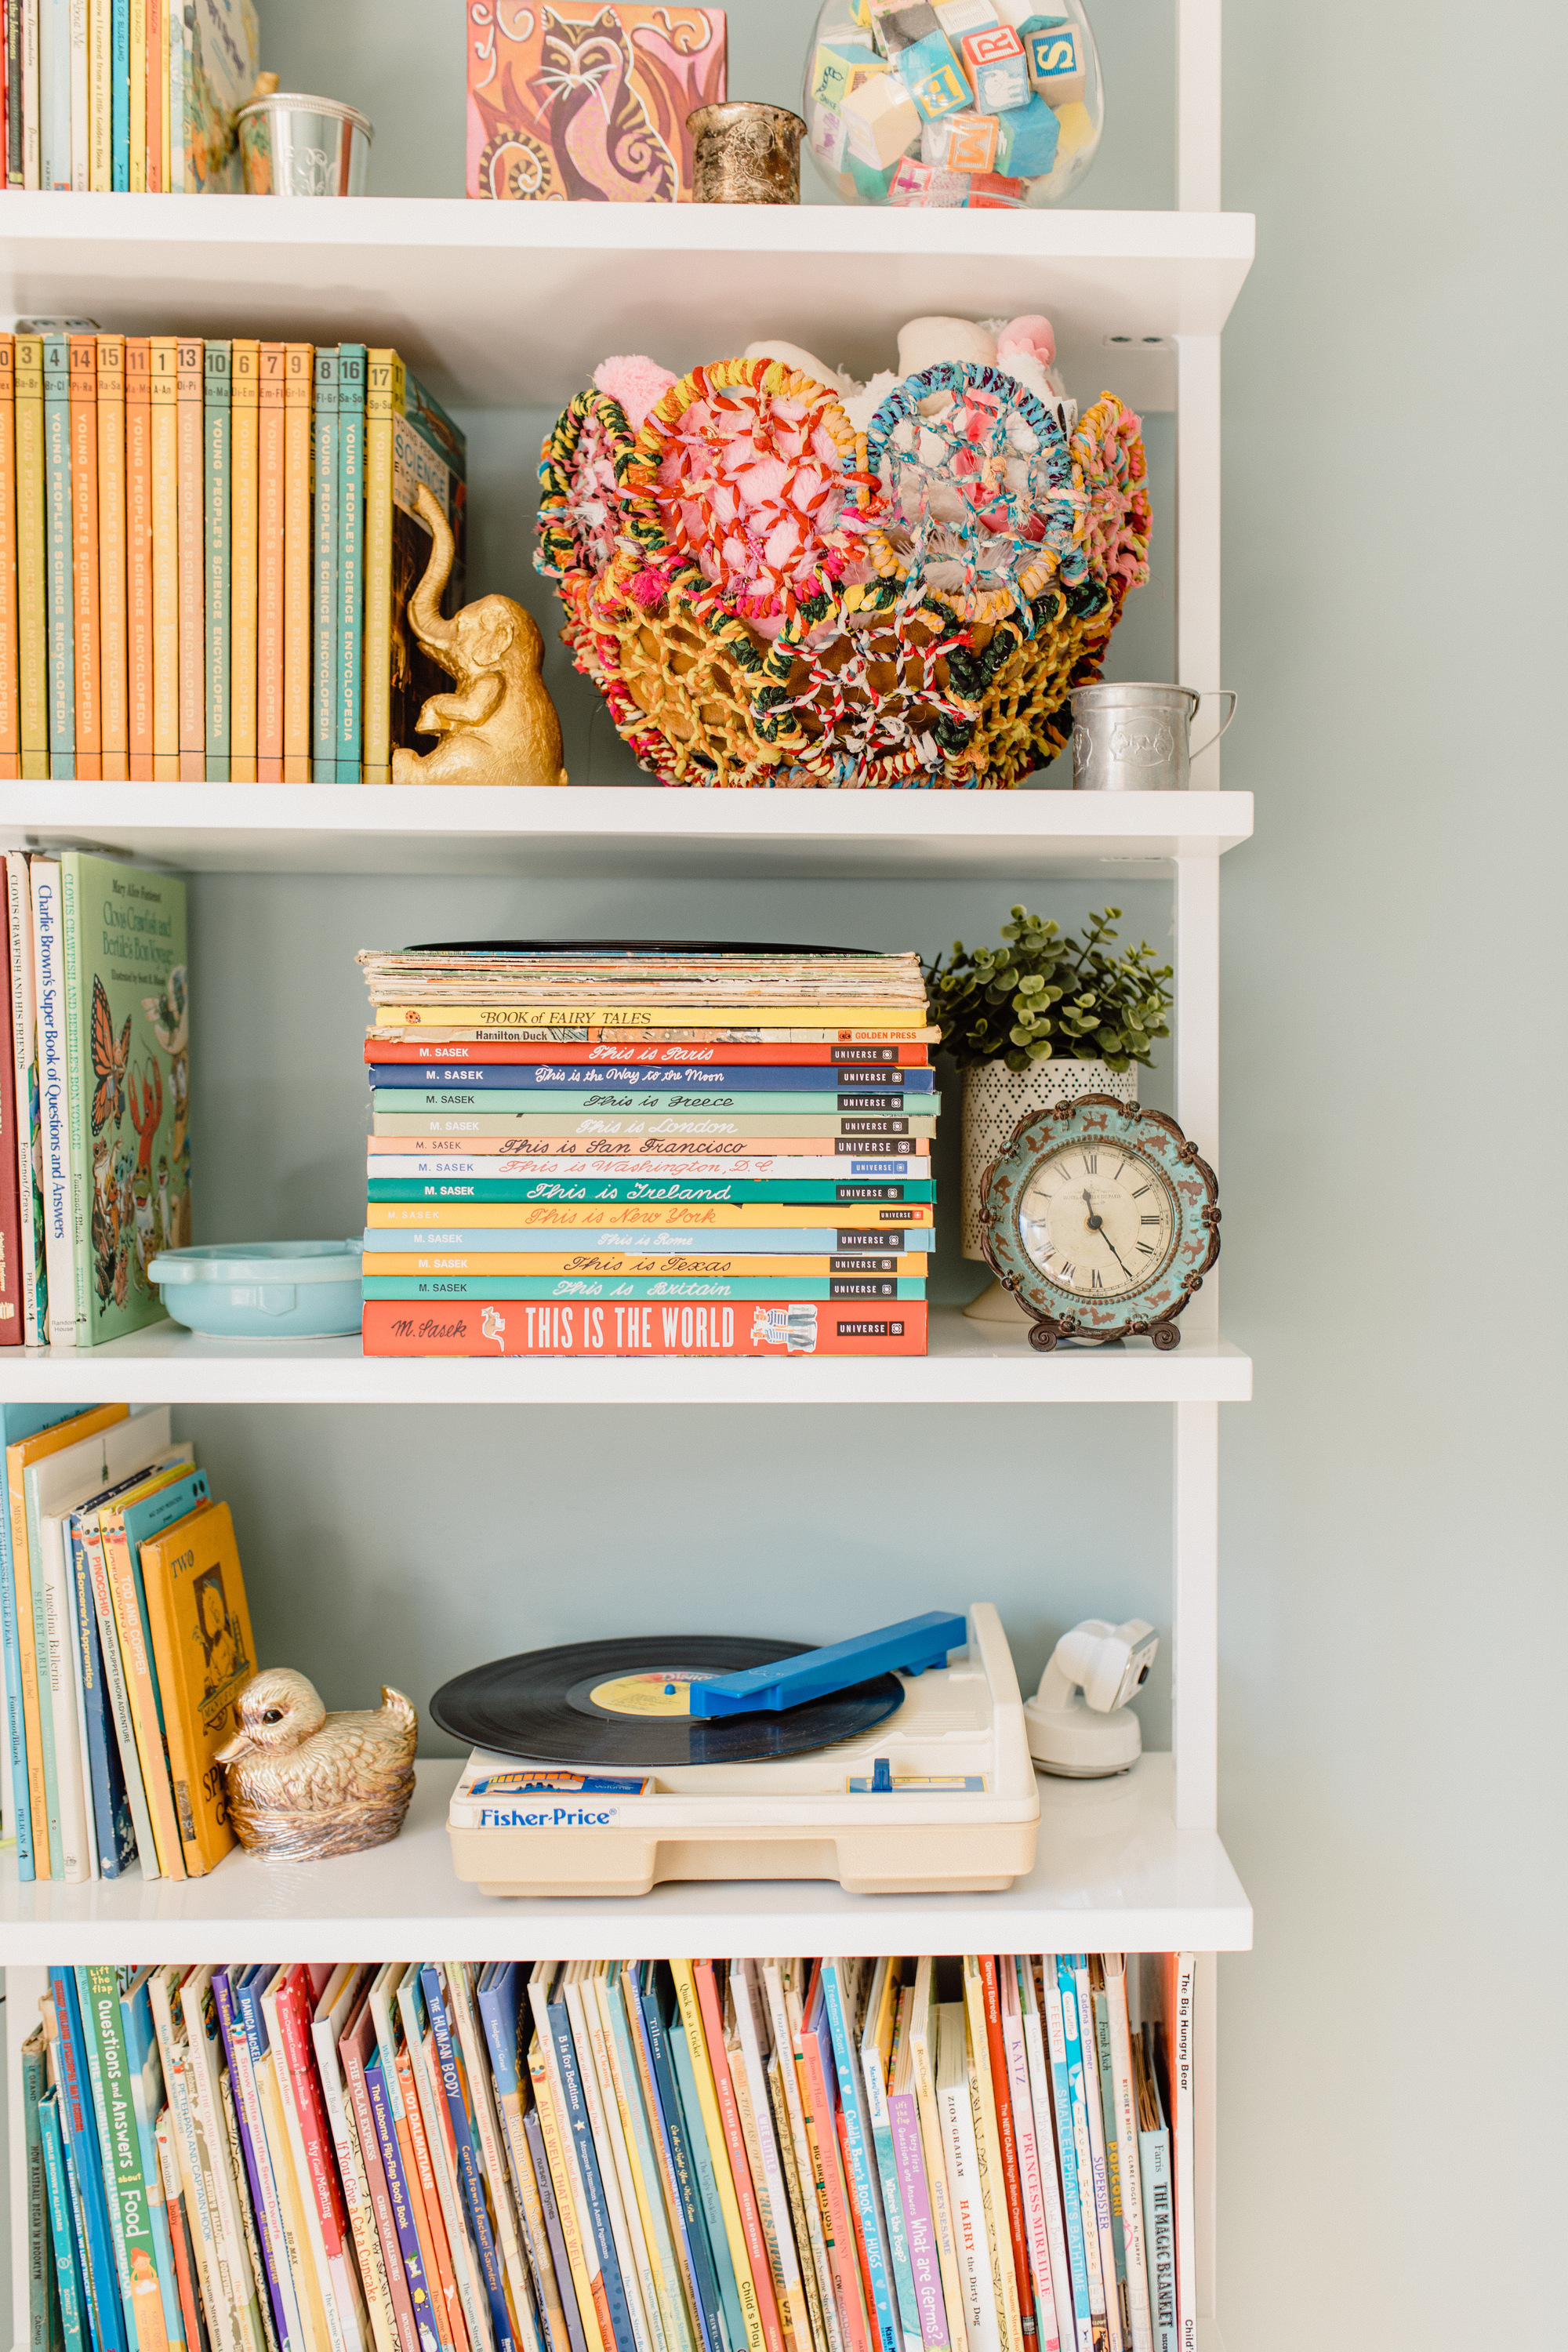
<point x="765" y="597"/>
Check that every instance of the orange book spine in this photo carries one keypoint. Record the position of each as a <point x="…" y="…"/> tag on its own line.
<point x="190" y="394"/>
<point x="245" y="377"/>
<point x="298" y="417"/>
<point x="157" y="91"/>
<point x="138" y="553"/>
<point x="431" y="2194"/>
<point x="10" y="676"/>
<point x="111" y="557"/>
<point x="163" y="379"/>
<point x="84" y="556"/>
<point x="269" y="567"/>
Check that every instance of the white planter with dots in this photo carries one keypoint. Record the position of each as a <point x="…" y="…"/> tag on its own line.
<point x="994" y="1099"/>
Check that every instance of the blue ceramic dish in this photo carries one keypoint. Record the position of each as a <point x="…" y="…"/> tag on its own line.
<point x="265" y="1290"/>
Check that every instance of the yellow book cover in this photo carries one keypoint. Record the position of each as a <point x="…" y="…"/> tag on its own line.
<point x="163" y="379"/>
<point x="138" y="553"/>
<point x="10" y="706"/>
<point x="20" y="1460"/>
<point x="993" y="2194"/>
<point x="190" y="395"/>
<point x="269" y="572"/>
<point x="384" y="398"/>
<point x="83" y="378"/>
<point x="32" y="607"/>
<point x="128" y="1595"/>
<point x="138" y="109"/>
<point x="717" y="2149"/>
<point x="100" y="154"/>
<point x="299" y="385"/>
<point x="244" y="420"/>
<point x="113" y="694"/>
<point x="204" y="1654"/>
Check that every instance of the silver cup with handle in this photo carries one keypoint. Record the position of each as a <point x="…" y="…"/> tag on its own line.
<point x="1135" y="738"/>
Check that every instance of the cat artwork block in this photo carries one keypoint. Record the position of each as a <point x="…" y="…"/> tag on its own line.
<point x="581" y="103"/>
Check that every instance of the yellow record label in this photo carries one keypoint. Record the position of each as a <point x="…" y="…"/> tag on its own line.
<point x="646" y="1694"/>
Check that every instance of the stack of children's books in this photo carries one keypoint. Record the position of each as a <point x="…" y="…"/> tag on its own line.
<point x="974" y="2155"/>
<point x="206" y="553"/>
<point x="643" y="1150"/>
<point x="95" y="1092"/>
<point x="127" y="1642"/>
<point x="135" y="94"/>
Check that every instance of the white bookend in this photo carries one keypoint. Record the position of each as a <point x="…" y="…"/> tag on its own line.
<point x="960" y="2154"/>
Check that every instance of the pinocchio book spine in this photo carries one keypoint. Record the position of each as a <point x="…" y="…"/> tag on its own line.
<point x="139" y="551"/>
<point x="325" y="595"/>
<point x="803" y="1327"/>
<point x="349" y="658"/>
<point x="113" y="688"/>
<point x="10" y="694"/>
<point x="164" y="383"/>
<point x="216" y="421"/>
<point x="61" y="591"/>
<point x="32" y="561"/>
<point x="269" y="567"/>
<point x="83" y="359"/>
<point x="190" y="404"/>
<point x="245" y="457"/>
<point x="297" y="388"/>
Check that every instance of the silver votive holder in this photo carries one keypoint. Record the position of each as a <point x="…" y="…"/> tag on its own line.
<point x="291" y="145"/>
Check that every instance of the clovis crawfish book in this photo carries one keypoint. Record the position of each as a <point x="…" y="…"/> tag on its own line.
<point x="126" y="1008"/>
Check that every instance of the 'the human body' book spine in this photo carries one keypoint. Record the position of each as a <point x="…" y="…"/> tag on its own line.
<point x="113" y="688"/>
<point x="138" y="553"/>
<point x="216" y="433"/>
<point x="191" y="366"/>
<point x="297" y="635"/>
<point x="164" y="380"/>
<point x="324" y="568"/>
<point x="271" y="570"/>
<point x="348" y="663"/>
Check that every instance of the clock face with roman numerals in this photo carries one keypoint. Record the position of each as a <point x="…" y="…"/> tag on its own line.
<point x="1097" y="1222"/>
<point x="1103" y="1220"/>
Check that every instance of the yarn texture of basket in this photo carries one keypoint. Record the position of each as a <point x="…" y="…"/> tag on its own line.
<point x="766" y="595"/>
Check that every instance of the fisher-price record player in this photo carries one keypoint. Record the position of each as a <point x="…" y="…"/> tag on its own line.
<point x="897" y="1763"/>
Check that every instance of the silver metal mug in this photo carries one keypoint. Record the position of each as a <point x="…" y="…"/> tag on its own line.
<point x="291" y="145"/>
<point x="1135" y="738"/>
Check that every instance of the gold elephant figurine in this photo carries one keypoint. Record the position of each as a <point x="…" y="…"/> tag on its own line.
<point x="500" y="727"/>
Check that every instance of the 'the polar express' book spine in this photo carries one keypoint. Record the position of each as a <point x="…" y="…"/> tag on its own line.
<point x="393" y="1328"/>
<point x="113" y="690"/>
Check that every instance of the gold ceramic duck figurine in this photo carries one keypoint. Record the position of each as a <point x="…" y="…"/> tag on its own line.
<point x="303" y="1784"/>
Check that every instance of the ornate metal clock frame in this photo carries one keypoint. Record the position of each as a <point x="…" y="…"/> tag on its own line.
<point x="1187" y="1180"/>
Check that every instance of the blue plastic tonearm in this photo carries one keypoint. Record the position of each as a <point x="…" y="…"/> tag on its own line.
<point x="906" y="1648"/>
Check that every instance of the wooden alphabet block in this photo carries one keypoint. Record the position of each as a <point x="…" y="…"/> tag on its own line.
<point x="881" y="122"/>
<point x="931" y="74"/>
<point x="993" y="61"/>
<point x="1056" y="65"/>
<point x="960" y="142"/>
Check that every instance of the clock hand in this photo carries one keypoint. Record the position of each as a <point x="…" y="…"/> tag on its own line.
<point x="1096" y="1226"/>
<point x="1095" y="1223"/>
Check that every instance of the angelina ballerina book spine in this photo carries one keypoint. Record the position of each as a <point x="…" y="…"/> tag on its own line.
<point x="83" y="369"/>
<point x="216" y="421"/>
<point x="297" y="421"/>
<point x="138" y="553"/>
<point x="113" y="691"/>
<point x="164" y="384"/>
<point x="32" y="561"/>
<point x="189" y="410"/>
<point x="245" y="418"/>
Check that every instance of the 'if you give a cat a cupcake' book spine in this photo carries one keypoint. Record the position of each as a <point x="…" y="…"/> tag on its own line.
<point x="583" y="101"/>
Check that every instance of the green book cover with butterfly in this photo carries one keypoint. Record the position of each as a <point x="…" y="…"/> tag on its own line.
<point x="128" y="1014"/>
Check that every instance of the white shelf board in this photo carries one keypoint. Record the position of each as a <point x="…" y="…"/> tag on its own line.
<point x="968" y="1364"/>
<point x="603" y="832"/>
<point x="465" y="291"/>
<point x="1111" y="1872"/>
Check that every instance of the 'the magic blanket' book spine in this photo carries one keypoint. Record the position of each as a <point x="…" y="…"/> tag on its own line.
<point x="395" y="1327"/>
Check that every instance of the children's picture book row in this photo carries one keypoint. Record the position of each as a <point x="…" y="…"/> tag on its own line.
<point x="973" y="2154"/>
<point x="127" y="1641"/>
<point x="206" y="553"/>
<point x="131" y="94"/>
<point x="648" y="1151"/>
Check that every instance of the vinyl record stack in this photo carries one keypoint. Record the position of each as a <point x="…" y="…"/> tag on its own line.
<point x="647" y="1149"/>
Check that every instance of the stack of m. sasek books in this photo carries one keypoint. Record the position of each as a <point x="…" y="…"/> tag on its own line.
<point x="647" y="1150"/>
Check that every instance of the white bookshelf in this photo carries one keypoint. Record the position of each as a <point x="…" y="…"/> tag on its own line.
<point x="505" y="306"/>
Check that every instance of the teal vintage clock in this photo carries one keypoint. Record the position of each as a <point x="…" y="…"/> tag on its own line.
<point x="1103" y="1221"/>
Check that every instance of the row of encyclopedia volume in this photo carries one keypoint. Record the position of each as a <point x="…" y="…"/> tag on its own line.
<point x="127" y="1641"/>
<point x="206" y="552"/>
<point x="134" y="94"/>
<point x="728" y="1154"/>
<point x="836" y="2155"/>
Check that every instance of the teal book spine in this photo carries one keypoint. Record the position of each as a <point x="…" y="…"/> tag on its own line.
<point x="218" y="519"/>
<point x="726" y="1192"/>
<point x="120" y="94"/>
<point x="41" y="2290"/>
<point x="67" y="2278"/>
<point x="324" y="576"/>
<point x="350" y="655"/>
<point x="98" y="2087"/>
<point x="707" y="2183"/>
<point x="59" y="579"/>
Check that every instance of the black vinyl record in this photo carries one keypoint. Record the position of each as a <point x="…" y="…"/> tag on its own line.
<point x="596" y="1705"/>
<point x="639" y="948"/>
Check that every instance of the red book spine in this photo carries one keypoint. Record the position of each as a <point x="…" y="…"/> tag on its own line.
<point x="293" y="2017"/>
<point x="840" y="2231"/>
<point x="735" y="2141"/>
<point x="662" y="1056"/>
<point x="11" y="1332"/>
<point x="393" y="1327"/>
<point x="1016" y="2227"/>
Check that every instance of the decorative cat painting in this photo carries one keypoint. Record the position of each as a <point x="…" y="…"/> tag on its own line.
<point x="577" y="101"/>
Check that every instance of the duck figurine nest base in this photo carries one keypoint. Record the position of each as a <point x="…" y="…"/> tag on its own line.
<point x="303" y="1785"/>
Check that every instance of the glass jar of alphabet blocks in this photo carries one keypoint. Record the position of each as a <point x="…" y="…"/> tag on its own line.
<point x="995" y="104"/>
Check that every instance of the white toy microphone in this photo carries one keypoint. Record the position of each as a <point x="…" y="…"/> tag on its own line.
<point x="1079" y="1722"/>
